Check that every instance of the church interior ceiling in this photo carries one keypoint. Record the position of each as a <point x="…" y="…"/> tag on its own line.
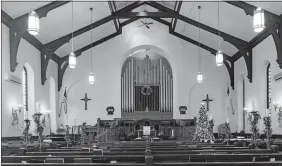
<point x="238" y="37"/>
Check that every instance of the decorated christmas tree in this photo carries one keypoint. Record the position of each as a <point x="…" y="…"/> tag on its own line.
<point x="202" y="131"/>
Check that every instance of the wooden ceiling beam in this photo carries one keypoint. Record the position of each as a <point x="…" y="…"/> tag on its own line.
<point x="243" y="46"/>
<point x="112" y="10"/>
<point x="124" y="15"/>
<point x="229" y="65"/>
<point x="15" y="38"/>
<point x="273" y="25"/>
<point x="177" y="11"/>
<point x="21" y="23"/>
<point x="63" y="65"/>
<point x="18" y="29"/>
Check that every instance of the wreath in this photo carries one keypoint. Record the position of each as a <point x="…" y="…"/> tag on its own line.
<point x="146" y="90"/>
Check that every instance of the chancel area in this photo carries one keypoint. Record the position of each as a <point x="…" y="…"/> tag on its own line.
<point x="141" y="83"/>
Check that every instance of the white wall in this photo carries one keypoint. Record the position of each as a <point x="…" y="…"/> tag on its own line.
<point x="12" y="93"/>
<point x="108" y="59"/>
<point x="255" y="92"/>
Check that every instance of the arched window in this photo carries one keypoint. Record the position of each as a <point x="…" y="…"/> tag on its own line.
<point x="268" y="86"/>
<point x="25" y="91"/>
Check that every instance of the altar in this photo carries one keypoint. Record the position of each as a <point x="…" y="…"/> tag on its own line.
<point x="148" y="131"/>
<point x="144" y="129"/>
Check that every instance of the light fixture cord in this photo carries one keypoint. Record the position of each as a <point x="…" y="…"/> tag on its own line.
<point x="91" y="43"/>
<point x="199" y="34"/>
<point x="258" y="4"/>
<point x="218" y="27"/>
<point x="72" y="26"/>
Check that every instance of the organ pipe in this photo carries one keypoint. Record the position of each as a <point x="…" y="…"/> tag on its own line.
<point x="132" y="84"/>
<point x="152" y="73"/>
<point x="122" y="100"/>
<point x="126" y="90"/>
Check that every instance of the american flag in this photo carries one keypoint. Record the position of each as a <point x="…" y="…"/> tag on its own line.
<point x="64" y="105"/>
<point x="229" y="101"/>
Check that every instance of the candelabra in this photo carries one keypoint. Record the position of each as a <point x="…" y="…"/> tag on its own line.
<point x="278" y="110"/>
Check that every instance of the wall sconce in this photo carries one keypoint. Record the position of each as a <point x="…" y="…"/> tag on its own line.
<point x="17" y="108"/>
<point x="249" y="110"/>
<point x="277" y="107"/>
<point x="278" y="110"/>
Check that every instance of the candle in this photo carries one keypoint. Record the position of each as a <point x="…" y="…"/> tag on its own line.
<point x="227" y="120"/>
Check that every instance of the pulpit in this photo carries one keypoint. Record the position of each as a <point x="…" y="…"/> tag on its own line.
<point x="147" y="131"/>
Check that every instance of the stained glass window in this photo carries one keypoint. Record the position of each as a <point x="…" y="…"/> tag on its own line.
<point x="25" y="91"/>
<point x="268" y="84"/>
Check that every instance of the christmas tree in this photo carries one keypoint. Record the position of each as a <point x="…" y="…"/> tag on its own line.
<point x="203" y="126"/>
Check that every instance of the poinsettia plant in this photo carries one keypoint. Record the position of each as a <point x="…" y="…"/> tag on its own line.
<point x="39" y="121"/>
<point x="253" y="118"/>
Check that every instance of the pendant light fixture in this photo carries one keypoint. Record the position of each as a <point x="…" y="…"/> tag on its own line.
<point x="72" y="57"/>
<point x="258" y="19"/>
<point x="33" y="23"/>
<point x="199" y="75"/>
<point x="91" y="77"/>
<point x="219" y="54"/>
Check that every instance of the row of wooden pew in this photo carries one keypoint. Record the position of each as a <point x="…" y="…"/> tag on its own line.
<point x="166" y="154"/>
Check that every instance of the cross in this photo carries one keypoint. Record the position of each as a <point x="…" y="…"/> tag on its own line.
<point x="207" y="100"/>
<point x="85" y="99"/>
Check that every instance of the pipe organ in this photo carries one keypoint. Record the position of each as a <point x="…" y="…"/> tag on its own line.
<point x="146" y="84"/>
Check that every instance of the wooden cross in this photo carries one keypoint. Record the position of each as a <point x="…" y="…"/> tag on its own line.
<point x="207" y="100"/>
<point x="85" y="99"/>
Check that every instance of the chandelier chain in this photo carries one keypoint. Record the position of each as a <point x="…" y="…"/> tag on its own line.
<point x="218" y="26"/>
<point x="91" y="42"/>
<point x="72" y="26"/>
<point x="199" y="34"/>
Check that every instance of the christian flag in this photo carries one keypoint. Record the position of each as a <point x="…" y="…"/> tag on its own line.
<point x="64" y="105"/>
<point x="229" y="101"/>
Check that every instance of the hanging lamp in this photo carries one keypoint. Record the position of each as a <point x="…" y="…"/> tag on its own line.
<point x="199" y="74"/>
<point x="219" y="54"/>
<point x="72" y="57"/>
<point x="33" y="23"/>
<point x="91" y="77"/>
<point x="258" y="19"/>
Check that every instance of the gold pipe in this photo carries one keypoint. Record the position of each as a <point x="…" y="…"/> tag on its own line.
<point x="161" y="85"/>
<point x="132" y="85"/>
<point x="121" y="94"/>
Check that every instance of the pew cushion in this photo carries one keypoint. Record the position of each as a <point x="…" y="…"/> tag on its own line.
<point x="82" y="160"/>
<point x="36" y="161"/>
<point x="54" y="160"/>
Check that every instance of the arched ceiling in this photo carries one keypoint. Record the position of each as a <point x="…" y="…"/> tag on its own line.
<point x="238" y="37"/>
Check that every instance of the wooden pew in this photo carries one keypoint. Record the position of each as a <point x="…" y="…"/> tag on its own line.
<point x="57" y="153"/>
<point x="76" y="164"/>
<point x="141" y="158"/>
<point x="152" y="151"/>
<point x="158" y="164"/>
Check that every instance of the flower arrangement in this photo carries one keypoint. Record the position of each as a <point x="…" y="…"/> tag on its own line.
<point x="39" y="125"/>
<point x="267" y="130"/>
<point x="26" y="135"/>
<point x="228" y="130"/>
<point x="253" y="118"/>
<point x="267" y="123"/>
